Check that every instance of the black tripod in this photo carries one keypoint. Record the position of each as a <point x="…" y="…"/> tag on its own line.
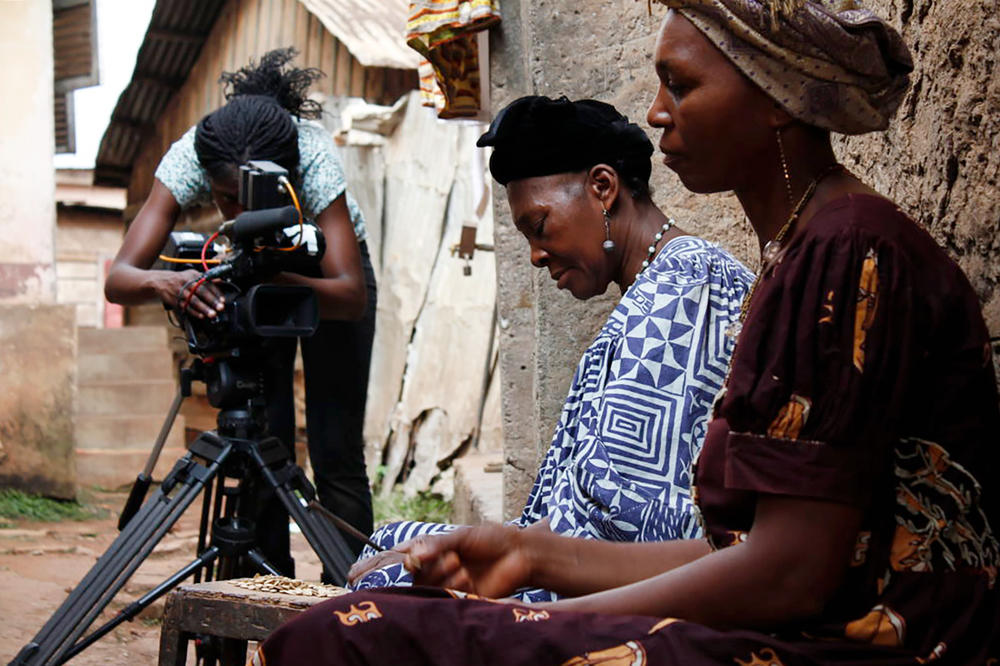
<point x="238" y="451"/>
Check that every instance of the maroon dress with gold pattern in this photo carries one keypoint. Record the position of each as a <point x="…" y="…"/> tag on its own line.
<point x="863" y="375"/>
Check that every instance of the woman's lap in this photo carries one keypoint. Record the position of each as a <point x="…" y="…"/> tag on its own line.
<point x="433" y="626"/>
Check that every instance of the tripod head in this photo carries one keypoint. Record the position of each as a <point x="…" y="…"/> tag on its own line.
<point x="236" y="386"/>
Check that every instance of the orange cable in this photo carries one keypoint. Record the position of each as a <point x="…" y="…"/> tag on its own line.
<point x="295" y="200"/>
<point x="174" y="260"/>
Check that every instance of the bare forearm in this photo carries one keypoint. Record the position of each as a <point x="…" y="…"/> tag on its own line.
<point x="129" y="285"/>
<point x="573" y="567"/>
<point x="723" y="589"/>
<point x="788" y="569"/>
<point x="342" y="292"/>
<point x="130" y="281"/>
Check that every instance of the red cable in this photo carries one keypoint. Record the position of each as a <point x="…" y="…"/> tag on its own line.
<point x="204" y="249"/>
<point x="187" y="301"/>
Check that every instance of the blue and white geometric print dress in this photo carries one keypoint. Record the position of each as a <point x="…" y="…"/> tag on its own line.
<point x="619" y="467"/>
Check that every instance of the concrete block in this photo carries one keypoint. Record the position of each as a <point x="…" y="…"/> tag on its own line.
<point x="27" y="179"/>
<point x="74" y="270"/>
<point x="130" y="338"/>
<point x="113" y="431"/>
<point x="127" y="397"/>
<point x="114" y="469"/>
<point x="149" y="314"/>
<point x="478" y="490"/>
<point x="77" y="290"/>
<point x="87" y="314"/>
<point x="123" y="366"/>
<point x="38" y="376"/>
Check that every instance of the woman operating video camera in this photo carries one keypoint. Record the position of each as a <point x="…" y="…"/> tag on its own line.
<point x="266" y="117"/>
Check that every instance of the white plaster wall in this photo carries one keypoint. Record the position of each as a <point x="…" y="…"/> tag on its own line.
<point x="27" y="177"/>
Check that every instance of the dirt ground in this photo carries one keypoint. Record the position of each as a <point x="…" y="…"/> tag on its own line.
<point x="41" y="562"/>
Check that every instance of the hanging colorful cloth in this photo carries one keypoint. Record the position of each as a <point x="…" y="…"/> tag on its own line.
<point x="444" y="33"/>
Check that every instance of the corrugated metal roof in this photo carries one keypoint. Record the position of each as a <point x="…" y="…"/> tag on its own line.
<point x="177" y="31"/>
<point x="372" y="30"/>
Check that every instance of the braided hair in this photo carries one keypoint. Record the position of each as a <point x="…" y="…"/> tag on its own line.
<point x="256" y="121"/>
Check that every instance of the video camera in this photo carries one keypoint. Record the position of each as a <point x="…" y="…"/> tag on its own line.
<point x="271" y="236"/>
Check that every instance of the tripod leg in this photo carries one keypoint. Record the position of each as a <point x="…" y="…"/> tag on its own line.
<point x="325" y="539"/>
<point x="137" y="606"/>
<point x="258" y="558"/>
<point x="206" y="501"/>
<point x="141" y="485"/>
<point x="95" y="591"/>
<point x="294" y="490"/>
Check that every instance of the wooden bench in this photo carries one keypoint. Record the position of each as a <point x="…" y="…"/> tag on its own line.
<point x="222" y="609"/>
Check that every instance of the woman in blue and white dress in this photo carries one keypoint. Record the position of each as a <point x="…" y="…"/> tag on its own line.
<point x="618" y="469"/>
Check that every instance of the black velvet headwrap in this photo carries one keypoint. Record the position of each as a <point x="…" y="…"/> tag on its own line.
<point x="538" y="136"/>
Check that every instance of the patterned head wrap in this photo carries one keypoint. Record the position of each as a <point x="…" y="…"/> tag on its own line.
<point x="538" y="136"/>
<point x="844" y="70"/>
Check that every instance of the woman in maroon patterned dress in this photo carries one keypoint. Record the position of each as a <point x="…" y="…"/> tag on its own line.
<point x="847" y="480"/>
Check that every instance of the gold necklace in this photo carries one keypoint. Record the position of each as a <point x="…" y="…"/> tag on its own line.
<point x="772" y="249"/>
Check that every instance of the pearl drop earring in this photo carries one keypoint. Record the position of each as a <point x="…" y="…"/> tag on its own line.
<point x="608" y="244"/>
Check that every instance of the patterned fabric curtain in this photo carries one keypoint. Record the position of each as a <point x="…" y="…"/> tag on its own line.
<point x="444" y="33"/>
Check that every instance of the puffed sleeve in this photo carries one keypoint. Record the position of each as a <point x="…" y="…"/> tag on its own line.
<point x="821" y="368"/>
<point x="322" y="175"/>
<point x="182" y="173"/>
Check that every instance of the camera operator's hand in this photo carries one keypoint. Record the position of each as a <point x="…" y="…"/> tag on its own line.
<point x="174" y="289"/>
<point x="131" y="281"/>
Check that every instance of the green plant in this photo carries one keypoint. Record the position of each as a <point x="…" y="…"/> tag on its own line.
<point x="17" y="505"/>
<point x="423" y="506"/>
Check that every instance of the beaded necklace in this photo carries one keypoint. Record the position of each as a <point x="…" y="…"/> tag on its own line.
<point x="652" y="246"/>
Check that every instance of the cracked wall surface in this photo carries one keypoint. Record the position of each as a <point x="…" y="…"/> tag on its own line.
<point x="939" y="161"/>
